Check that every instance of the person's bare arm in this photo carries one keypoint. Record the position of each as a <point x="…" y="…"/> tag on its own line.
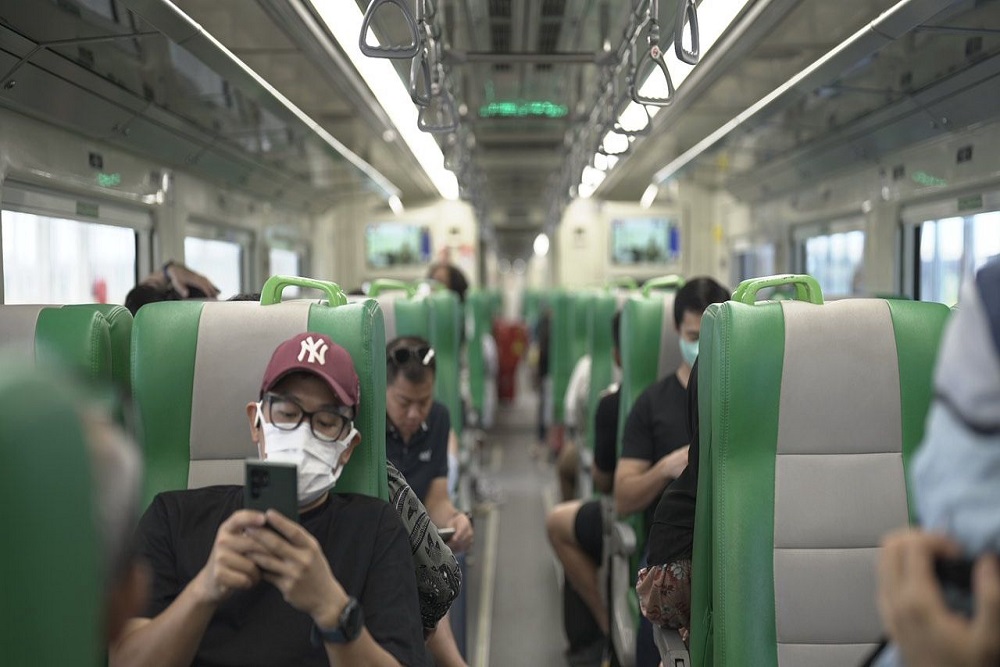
<point x="172" y="638"/>
<point x="444" y="515"/>
<point x="638" y="484"/>
<point x="181" y="278"/>
<point x="296" y="566"/>
<point x="913" y="610"/>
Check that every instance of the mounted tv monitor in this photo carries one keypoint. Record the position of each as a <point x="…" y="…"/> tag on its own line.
<point x="645" y="241"/>
<point x="392" y="244"/>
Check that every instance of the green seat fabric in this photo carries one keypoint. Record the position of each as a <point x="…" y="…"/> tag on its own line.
<point x="600" y="346"/>
<point x="195" y="366"/>
<point x="81" y="337"/>
<point x="808" y="415"/>
<point x="52" y="561"/>
<point x="568" y="343"/>
<point x="445" y="336"/>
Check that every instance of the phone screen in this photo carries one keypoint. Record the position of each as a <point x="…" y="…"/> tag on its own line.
<point x="271" y="486"/>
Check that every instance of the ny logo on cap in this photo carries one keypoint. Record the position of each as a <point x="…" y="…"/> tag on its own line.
<point x="316" y="349"/>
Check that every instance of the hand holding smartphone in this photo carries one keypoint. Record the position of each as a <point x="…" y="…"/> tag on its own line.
<point x="446" y="534"/>
<point x="273" y="486"/>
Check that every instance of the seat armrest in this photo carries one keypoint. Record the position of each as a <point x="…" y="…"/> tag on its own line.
<point x="673" y="652"/>
<point x="623" y="540"/>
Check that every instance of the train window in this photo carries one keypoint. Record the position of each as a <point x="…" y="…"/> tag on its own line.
<point x="835" y="261"/>
<point x="221" y="260"/>
<point x="753" y="262"/>
<point x="57" y="260"/>
<point x="286" y="262"/>
<point x="953" y="248"/>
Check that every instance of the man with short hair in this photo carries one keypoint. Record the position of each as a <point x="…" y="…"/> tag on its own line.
<point x="235" y="587"/>
<point x="416" y="442"/>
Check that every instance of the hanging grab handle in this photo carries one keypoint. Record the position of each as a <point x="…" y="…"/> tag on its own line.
<point x="270" y="294"/>
<point x="421" y="95"/>
<point x="652" y="60"/>
<point x="386" y="284"/>
<point x="687" y="12"/>
<point x="399" y="52"/>
<point x="672" y="282"/>
<point x="446" y="114"/>
<point x="806" y="288"/>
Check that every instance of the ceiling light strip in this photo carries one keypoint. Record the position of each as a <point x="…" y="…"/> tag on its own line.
<point x="344" y="20"/>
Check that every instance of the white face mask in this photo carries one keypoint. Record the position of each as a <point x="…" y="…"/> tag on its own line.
<point x="317" y="463"/>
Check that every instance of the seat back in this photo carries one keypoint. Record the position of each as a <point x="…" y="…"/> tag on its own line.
<point x="808" y="415"/>
<point x="92" y="339"/>
<point x="52" y="561"/>
<point x="567" y="344"/>
<point x="195" y="366"/>
<point x="600" y="346"/>
<point x="445" y="336"/>
<point x="479" y="325"/>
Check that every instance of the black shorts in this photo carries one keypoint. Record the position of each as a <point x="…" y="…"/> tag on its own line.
<point x="588" y="529"/>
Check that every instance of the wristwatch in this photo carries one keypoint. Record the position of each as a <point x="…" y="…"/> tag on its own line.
<point x="352" y="620"/>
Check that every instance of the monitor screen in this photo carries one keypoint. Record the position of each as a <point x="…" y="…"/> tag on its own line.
<point x="645" y="241"/>
<point x="391" y="244"/>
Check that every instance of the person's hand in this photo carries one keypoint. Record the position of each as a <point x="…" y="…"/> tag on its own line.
<point x="181" y="278"/>
<point x="294" y="563"/>
<point x="228" y="568"/>
<point x="672" y="465"/>
<point x="913" y="610"/>
<point x="462" y="539"/>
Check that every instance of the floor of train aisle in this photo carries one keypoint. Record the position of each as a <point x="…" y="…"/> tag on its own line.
<point x="515" y="608"/>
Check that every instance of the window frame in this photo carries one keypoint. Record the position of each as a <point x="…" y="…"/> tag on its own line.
<point x="20" y="197"/>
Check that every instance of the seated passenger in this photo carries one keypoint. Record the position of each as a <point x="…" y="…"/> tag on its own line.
<point x="575" y="421"/>
<point x="955" y="481"/>
<point x="418" y="429"/>
<point x="664" y="587"/>
<point x="175" y="281"/>
<point x="575" y="528"/>
<point x="451" y="277"/>
<point x="656" y="437"/>
<point x="235" y="587"/>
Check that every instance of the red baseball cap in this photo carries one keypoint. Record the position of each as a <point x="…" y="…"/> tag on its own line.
<point x="315" y="353"/>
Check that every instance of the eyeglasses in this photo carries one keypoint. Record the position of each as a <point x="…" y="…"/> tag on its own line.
<point x="286" y="414"/>
<point x="403" y="355"/>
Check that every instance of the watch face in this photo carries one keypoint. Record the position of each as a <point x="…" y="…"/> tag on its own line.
<point x="352" y="620"/>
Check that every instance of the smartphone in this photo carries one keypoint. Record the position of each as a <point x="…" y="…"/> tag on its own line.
<point x="446" y="534"/>
<point x="271" y="486"/>
<point x="955" y="577"/>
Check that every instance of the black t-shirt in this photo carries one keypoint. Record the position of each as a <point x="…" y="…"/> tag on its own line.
<point x="606" y="432"/>
<point x="671" y="535"/>
<point x="657" y="425"/>
<point x="425" y="457"/>
<point x="363" y="540"/>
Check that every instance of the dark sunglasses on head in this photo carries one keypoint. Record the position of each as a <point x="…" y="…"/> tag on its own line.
<point x="403" y="355"/>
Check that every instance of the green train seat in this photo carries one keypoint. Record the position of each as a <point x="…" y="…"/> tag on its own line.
<point x="405" y="313"/>
<point x="93" y="339"/>
<point x="195" y="366"/>
<point x="600" y="347"/>
<point x="481" y="356"/>
<point x="649" y="352"/>
<point x="445" y="336"/>
<point x="52" y="560"/>
<point x="808" y="414"/>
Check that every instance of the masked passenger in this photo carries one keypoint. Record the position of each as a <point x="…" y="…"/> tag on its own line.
<point x="236" y="587"/>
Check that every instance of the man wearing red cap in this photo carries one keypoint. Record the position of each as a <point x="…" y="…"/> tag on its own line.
<point x="337" y="588"/>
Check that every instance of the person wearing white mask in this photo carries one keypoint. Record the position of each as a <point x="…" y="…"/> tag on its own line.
<point x="233" y="586"/>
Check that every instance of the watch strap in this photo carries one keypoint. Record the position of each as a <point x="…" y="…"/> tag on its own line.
<point x="348" y="627"/>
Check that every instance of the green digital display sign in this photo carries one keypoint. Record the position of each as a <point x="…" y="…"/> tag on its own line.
<point x="523" y="110"/>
